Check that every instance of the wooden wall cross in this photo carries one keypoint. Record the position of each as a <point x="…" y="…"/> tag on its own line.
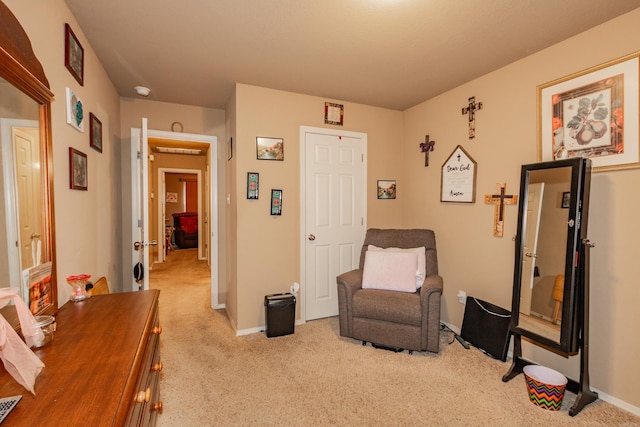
<point x="426" y="147"/>
<point x="470" y="109"/>
<point x="500" y="200"/>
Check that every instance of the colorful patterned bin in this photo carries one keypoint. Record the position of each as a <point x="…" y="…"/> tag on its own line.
<point x="545" y="386"/>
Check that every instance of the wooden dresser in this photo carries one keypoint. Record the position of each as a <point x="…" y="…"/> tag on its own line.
<point x="102" y="368"/>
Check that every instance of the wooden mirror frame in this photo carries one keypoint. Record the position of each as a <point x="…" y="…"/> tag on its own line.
<point x="576" y="229"/>
<point x="20" y="67"/>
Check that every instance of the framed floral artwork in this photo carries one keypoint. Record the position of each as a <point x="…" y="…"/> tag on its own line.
<point x="276" y="202"/>
<point x="387" y="189"/>
<point x="253" y="185"/>
<point x="583" y="115"/>
<point x="270" y="148"/>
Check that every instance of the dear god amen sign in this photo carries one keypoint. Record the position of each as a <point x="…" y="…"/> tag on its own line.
<point x="459" y="178"/>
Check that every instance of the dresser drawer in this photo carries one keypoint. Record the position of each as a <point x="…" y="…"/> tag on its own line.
<point x="147" y="403"/>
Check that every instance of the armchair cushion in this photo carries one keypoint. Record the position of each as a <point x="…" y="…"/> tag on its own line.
<point x="390" y="270"/>
<point x="421" y="271"/>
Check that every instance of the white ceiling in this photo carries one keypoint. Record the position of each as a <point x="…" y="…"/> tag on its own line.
<point x="386" y="53"/>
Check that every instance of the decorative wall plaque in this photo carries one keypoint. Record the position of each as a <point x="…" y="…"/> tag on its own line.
<point x="459" y="178"/>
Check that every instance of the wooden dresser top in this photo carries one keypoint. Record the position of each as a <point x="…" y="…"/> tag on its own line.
<point x="92" y="364"/>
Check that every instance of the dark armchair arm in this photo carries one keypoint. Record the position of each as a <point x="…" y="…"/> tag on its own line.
<point x="348" y="284"/>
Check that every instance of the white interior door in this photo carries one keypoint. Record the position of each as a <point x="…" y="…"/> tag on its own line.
<point x="334" y="212"/>
<point x="21" y="191"/>
<point x="534" y="206"/>
<point x="140" y="206"/>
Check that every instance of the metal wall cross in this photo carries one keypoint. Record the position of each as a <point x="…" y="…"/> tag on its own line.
<point x="500" y="200"/>
<point x="470" y="109"/>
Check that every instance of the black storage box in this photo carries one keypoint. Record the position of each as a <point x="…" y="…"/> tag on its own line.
<point x="279" y="314"/>
<point x="486" y="326"/>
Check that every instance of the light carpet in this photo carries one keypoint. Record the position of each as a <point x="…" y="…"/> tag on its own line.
<point x="317" y="378"/>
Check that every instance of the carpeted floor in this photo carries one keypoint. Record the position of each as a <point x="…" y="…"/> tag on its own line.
<point x="316" y="378"/>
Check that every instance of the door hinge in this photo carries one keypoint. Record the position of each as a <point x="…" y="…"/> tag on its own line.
<point x="138" y="155"/>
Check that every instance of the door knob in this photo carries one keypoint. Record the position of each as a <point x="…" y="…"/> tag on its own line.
<point x="312" y="237"/>
<point x="139" y="245"/>
<point x="530" y="255"/>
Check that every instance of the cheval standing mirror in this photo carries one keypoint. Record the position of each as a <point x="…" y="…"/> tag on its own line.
<point x="550" y="305"/>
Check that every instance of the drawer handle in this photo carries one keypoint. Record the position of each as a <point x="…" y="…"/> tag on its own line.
<point x="157" y="367"/>
<point x="157" y="407"/>
<point x="144" y="396"/>
<point x="157" y="330"/>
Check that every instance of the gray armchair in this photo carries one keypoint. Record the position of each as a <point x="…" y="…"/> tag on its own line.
<point x="399" y="320"/>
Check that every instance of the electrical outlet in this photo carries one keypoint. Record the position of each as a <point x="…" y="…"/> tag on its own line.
<point x="462" y="297"/>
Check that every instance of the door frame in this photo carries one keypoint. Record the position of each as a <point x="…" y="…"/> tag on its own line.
<point x="303" y="181"/>
<point x="162" y="201"/>
<point x="213" y="177"/>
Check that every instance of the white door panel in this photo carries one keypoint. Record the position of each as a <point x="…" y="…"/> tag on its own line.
<point x="334" y="213"/>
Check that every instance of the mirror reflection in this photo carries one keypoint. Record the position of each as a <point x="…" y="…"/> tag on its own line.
<point x="22" y="217"/>
<point x="543" y="258"/>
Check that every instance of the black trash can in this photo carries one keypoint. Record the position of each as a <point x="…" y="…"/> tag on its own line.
<point x="279" y="314"/>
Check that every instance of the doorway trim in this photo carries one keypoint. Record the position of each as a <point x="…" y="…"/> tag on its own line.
<point x="162" y="200"/>
<point x="303" y="181"/>
<point x="214" y="250"/>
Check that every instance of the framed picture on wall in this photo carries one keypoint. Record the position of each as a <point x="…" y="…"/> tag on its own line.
<point x="252" y="185"/>
<point x="387" y="189"/>
<point x="77" y="170"/>
<point x="95" y="133"/>
<point x="270" y="148"/>
<point x="73" y="55"/>
<point x="75" y="111"/>
<point x="276" y="202"/>
<point x="594" y="114"/>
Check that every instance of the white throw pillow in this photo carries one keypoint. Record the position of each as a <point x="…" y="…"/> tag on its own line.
<point x="421" y="272"/>
<point x="393" y="271"/>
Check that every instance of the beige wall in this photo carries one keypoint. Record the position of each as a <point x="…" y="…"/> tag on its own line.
<point x="87" y="222"/>
<point x="268" y="251"/>
<point x="472" y="260"/>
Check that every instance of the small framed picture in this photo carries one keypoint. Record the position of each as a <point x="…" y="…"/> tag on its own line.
<point x="333" y="114"/>
<point x="270" y="148"/>
<point x="77" y="170"/>
<point x="566" y="199"/>
<point x="73" y="55"/>
<point x="252" y="185"/>
<point x="95" y="133"/>
<point x="172" y="197"/>
<point x="387" y="189"/>
<point x="75" y="111"/>
<point x="276" y="202"/>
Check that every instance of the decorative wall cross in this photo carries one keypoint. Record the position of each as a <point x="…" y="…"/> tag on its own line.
<point x="470" y="109"/>
<point x="500" y="200"/>
<point x="426" y="147"/>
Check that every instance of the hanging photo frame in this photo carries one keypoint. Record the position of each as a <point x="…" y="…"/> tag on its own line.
<point x="253" y="183"/>
<point x="276" y="202"/>
<point x="592" y="113"/>
<point x="73" y="55"/>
